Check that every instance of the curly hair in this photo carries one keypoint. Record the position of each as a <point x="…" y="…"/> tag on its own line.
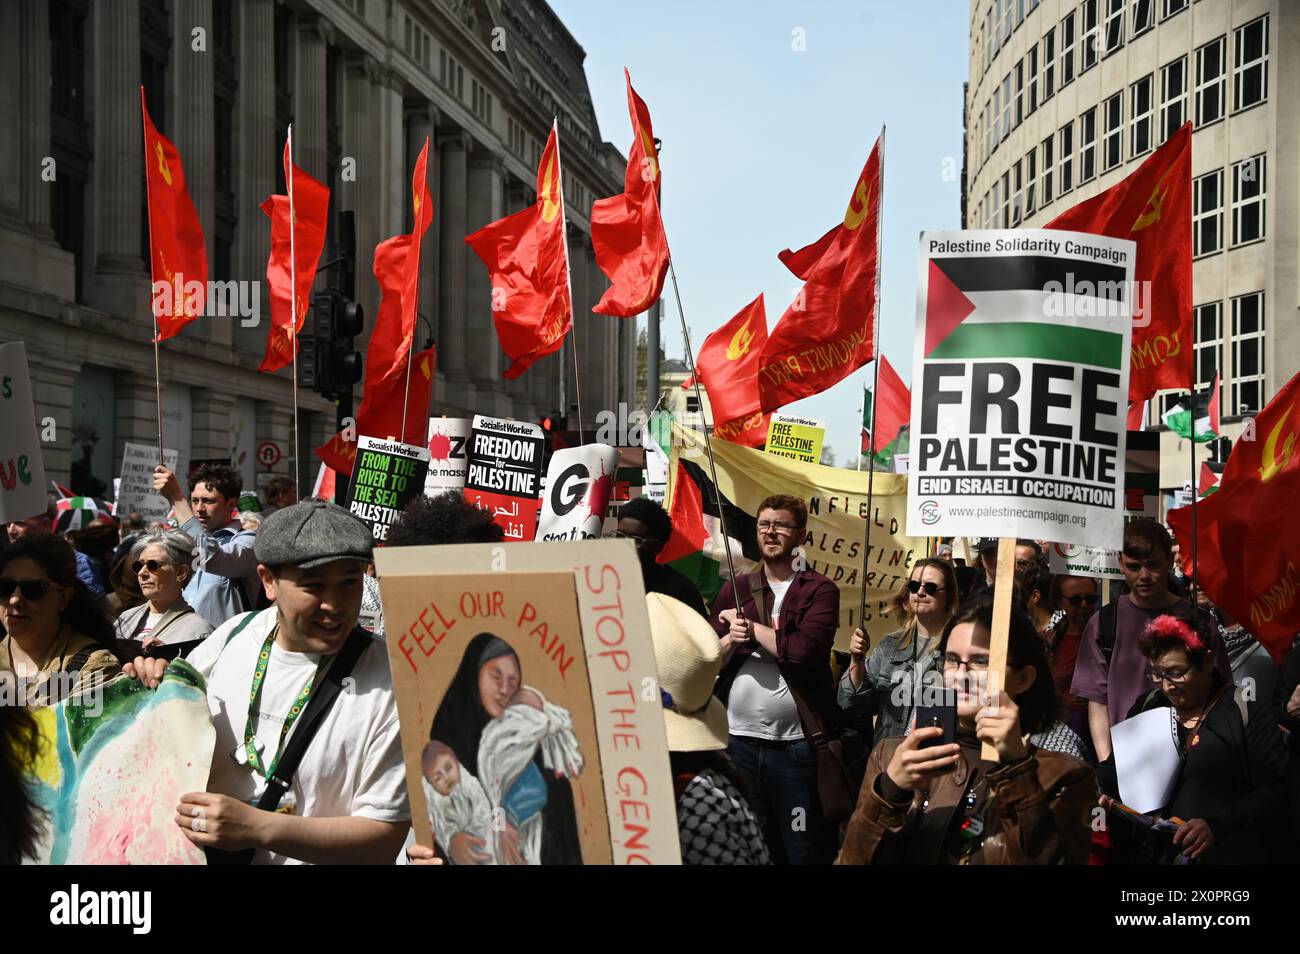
<point x="651" y="514"/>
<point x="86" y="613"/>
<point x="446" y="518"/>
<point x="20" y="821"/>
<point x="222" y="478"/>
<point x="796" y="507"/>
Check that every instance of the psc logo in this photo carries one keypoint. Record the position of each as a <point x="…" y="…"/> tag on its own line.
<point x="930" y="512"/>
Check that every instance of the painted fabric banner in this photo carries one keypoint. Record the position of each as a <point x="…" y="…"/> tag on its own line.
<point x="113" y="764"/>
<point x="837" y="506"/>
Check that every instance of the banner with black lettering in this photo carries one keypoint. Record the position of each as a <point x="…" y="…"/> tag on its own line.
<point x="1020" y="384"/>
<point x="505" y="472"/>
<point x="386" y="477"/>
<point x="448" y="455"/>
<point x="579" y="484"/>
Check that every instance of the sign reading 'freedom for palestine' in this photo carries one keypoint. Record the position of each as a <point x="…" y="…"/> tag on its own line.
<point x="1020" y="379"/>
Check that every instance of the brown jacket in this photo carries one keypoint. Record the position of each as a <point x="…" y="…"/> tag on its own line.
<point x="1035" y="812"/>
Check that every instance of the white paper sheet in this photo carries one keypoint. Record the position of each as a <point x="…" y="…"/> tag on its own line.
<point x="1146" y="759"/>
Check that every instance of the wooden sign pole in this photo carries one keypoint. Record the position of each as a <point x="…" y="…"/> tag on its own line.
<point x="1003" y="591"/>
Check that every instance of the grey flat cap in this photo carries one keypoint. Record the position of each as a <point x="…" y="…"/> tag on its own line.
<point x="310" y="533"/>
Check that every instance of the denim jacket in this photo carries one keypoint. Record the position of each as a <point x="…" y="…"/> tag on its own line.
<point x="887" y="685"/>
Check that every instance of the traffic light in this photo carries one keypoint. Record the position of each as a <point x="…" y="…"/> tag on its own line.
<point x="327" y="361"/>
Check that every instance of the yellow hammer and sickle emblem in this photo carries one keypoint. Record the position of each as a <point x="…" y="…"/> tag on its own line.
<point x="550" y="207"/>
<point x="740" y="343"/>
<point x="862" y="194"/>
<point x="1270" y="466"/>
<point x="650" y="153"/>
<point x="1155" y="205"/>
<point x="162" y="163"/>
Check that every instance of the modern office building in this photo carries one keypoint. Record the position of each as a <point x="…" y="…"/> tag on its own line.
<point x="1066" y="98"/>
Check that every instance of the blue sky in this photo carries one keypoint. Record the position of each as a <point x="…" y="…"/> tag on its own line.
<point x="762" y="144"/>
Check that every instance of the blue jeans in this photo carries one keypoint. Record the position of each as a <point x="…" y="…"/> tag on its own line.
<point x="783" y="786"/>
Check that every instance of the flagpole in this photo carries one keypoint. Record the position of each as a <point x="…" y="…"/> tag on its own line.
<point x="416" y="235"/>
<point x="1192" y="441"/>
<point x="875" y="389"/>
<point x="293" y="304"/>
<point x="568" y="277"/>
<point x="157" y="365"/>
<point x="861" y="413"/>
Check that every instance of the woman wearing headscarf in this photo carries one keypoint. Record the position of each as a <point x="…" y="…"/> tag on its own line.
<point x="487" y="679"/>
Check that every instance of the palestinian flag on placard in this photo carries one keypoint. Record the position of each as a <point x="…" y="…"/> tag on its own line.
<point x="971" y="309"/>
<point x="1202" y="426"/>
<point x="696" y="546"/>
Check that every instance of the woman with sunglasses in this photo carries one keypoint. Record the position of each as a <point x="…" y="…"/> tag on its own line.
<point x="889" y="681"/>
<point x="1230" y="793"/>
<point x="1076" y="598"/>
<point x="161" y="564"/>
<point x="924" y="802"/>
<point x="58" y="635"/>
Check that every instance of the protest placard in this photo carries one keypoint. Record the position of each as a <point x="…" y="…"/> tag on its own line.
<point x="386" y="477"/>
<point x="504" y="473"/>
<point x="579" y="485"/>
<point x="565" y="625"/>
<point x="1020" y="385"/>
<point x="135" y="490"/>
<point x="796" y="438"/>
<point x="22" y="468"/>
<point x="448" y="455"/>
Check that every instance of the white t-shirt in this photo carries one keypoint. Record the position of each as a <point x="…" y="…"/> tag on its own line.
<point x="353" y="765"/>
<point x="760" y="705"/>
<point x="149" y="623"/>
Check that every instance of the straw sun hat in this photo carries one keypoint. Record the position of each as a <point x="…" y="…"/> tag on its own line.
<point x="688" y="656"/>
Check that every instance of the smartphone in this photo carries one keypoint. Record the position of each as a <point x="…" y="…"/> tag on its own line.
<point x="943" y="716"/>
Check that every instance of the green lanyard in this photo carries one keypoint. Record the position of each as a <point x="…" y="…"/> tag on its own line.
<point x="255" y="693"/>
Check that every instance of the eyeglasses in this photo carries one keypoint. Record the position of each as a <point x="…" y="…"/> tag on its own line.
<point x="931" y="588"/>
<point x="31" y="590"/>
<point x="974" y="664"/>
<point x="153" y="565"/>
<point x="620" y="535"/>
<point x="766" y="526"/>
<point x="1177" y="675"/>
<point x="1081" y="598"/>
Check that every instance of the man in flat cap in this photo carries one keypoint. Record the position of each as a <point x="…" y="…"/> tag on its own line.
<point x="346" y="801"/>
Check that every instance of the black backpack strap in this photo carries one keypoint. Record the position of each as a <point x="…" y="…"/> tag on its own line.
<point x="1107" y="629"/>
<point x="318" y="706"/>
<point x="77" y="661"/>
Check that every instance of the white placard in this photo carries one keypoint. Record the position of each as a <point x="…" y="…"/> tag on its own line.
<point x="579" y="484"/>
<point x="1146" y="759"/>
<point x="22" y="468"/>
<point x="135" y="491"/>
<point x="448" y="455"/>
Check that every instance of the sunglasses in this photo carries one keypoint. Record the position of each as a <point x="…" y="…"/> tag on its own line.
<point x="31" y="590"/>
<point x="915" y="586"/>
<point x="153" y="565"/>
<point x="1080" y="599"/>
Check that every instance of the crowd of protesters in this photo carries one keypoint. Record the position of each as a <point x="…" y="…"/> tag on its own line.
<point x="783" y="750"/>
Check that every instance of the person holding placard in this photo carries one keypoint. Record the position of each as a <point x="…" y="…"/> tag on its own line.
<point x="925" y="802"/>
<point x="161" y="564"/>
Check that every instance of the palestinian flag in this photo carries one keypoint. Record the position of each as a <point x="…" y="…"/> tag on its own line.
<point x="999" y="307"/>
<point x="696" y="546"/>
<point x="899" y="445"/>
<point x="1201" y="426"/>
<point x="892" y="415"/>
<point x="1209" y="480"/>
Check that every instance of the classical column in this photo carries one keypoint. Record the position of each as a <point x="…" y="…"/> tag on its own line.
<point x="255" y="158"/>
<point x="33" y="34"/>
<point x="485" y="359"/>
<point x="212" y="408"/>
<point x="359" y="190"/>
<point x="52" y="380"/>
<point x="395" y="174"/>
<point x="580" y="336"/>
<point x="451" y="223"/>
<point x="309" y="108"/>
<point x="598" y="348"/>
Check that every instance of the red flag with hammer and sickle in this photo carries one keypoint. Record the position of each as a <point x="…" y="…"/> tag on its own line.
<point x="178" y="254"/>
<point x="311" y="202"/>
<point x="1247" y="544"/>
<point x="1153" y="207"/>
<point x="727" y="364"/>
<point x="529" y="267"/>
<point x="627" y="233"/>
<point x="826" y="334"/>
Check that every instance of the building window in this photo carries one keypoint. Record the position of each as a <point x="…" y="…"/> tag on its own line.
<point x="1250" y="64"/>
<point x="1006" y="201"/>
<point x="1020" y="93"/>
<point x="1249" y="192"/>
<point x="1209" y="339"/>
<point x="1090" y="36"/>
<point x="1248" y="353"/>
<point x="1173" y="96"/>
<point x="1005" y="32"/>
<point x="1114" y="27"/>
<point x="1172" y="7"/>
<point x="1141" y="107"/>
<point x="1004" y="124"/>
<point x="68" y="59"/>
<point x="1088" y="146"/>
<point x="1033" y="77"/>
<point x="1210" y="79"/>
<point x="1031" y="181"/>
<point x="1207" y="213"/>
<point x="1045" y="183"/>
<point x="1065" y="150"/>
<point x="1067" y="50"/>
<point x="1112" y="146"/>
<point x="1018" y="195"/>
<point x="1049" y="64"/>
<point x="1143" y="16"/>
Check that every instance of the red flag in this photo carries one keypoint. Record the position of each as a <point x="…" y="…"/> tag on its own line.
<point x="801" y="262"/>
<point x="178" y="255"/>
<point x="527" y="260"/>
<point x="1152" y="206"/>
<point x="748" y="431"/>
<point x="727" y="363"/>
<point x="627" y="234"/>
<point x="893" y="406"/>
<point x="1137" y="413"/>
<point x="311" y="202"/>
<point x="687" y="513"/>
<point x="381" y="414"/>
<point x="1248" y="531"/>
<point x="324" y="488"/>
<point x="826" y="334"/>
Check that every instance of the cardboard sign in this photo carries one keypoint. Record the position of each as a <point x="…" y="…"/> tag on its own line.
<point x="579" y="484"/>
<point x="135" y="490"/>
<point x="563" y="626"/>
<point x="386" y="477"/>
<point x="22" y="468"/>
<point x="1020" y="385"/>
<point x="505" y="471"/>
<point x="796" y="438"/>
<point x="448" y="455"/>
